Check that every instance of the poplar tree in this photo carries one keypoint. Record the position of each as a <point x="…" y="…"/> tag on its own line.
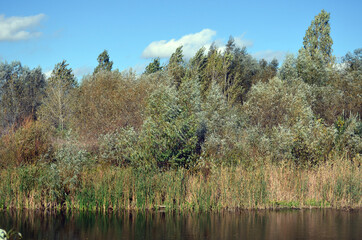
<point x="316" y="54"/>
<point x="317" y="37"/>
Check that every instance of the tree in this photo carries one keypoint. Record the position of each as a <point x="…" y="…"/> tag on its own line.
<point x="197" y="67"/>
<point x="317" y="37"/>
<point x="104" y="64"/>
<point x="175" y="66"/>
<point x="153" y="66"/>
<point x="56" y="105"/>
<point x="353" y="61"/>
<point x="21" y="90"/>
<point x="288" y="70"/>
<point x="316" y="55"/>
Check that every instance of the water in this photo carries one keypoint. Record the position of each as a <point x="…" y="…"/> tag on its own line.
<point x="283" y="224"/>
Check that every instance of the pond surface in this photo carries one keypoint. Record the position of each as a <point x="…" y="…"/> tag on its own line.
<point x="282" y="224"/>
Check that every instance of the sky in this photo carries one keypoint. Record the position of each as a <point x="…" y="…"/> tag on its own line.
<point x="43" y="33"/>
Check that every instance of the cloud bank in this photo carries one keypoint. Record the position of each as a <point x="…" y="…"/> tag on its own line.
<point x="191" y="44"/>
<point x="19" y="28"/>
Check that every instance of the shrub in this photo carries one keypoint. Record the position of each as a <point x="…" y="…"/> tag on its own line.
<point x="119" y="147"/>
<point x="348" y="135"/>
<point x="24" y="145"/>
<point x="169" y="134"/>
<point x="279" y="103"/>
<point x="108" y="101"/>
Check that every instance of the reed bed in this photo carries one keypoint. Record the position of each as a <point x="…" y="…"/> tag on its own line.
<point x="334" y="184"/>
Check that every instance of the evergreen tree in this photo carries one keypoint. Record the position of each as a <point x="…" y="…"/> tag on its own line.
<point x="153" y="66"/>
<point x="104" y="63"/>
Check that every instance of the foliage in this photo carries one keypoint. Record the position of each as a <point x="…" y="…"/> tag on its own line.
<point x="108" y="101"/>
<point x="289" y="68"/>
<point x="56" y="107"/>
<point x="118" y="147"/>
<point x="317" y="39"/>
<point x="222" y="127"/>
<point x="21" y="91"/>
<point x="279" y="102"/>
<point x="104" y="63"/>
<point x="153" y="66"/>
<point x="170" y="132"/>
<point x="25" y="145"/>
<point x="63" y="174"/>
<point x="175" y="66"/>
<point x="348" y="135"/>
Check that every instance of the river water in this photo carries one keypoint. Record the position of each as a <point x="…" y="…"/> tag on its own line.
<point x="262" y="224"/>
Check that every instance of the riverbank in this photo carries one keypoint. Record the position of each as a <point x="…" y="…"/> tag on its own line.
<point x="334" y="184"/>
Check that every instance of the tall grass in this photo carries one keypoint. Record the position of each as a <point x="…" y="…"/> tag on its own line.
<point x="331" y="184"/>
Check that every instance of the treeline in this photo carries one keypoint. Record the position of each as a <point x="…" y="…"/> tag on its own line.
<point x="219" y="107"/>
<point x="220" y="116"/>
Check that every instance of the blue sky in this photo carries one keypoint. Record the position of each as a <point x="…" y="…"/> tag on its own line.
<point x="43" y="33"/>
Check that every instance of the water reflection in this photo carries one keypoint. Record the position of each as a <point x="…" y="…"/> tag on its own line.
<point x="285" y="224"/>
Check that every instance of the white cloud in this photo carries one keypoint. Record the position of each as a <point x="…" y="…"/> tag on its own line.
<point x="19" y="28"/>
<point x="270" y="55"/>
<point x="191" y="43"/>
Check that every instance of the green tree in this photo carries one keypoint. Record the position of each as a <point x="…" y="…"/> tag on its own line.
<point x="56" y="105"/>
<point x="21" y="90"/>
<point x="288" y="70"/>
<point x="171" y="135"/>
<point x="154" y="66"/>
<point x="316" y="54"/>
<point x="197" y="67"/>
<point x="104" y="63"/>
<point x="176" y="66"/>
<point x="317" y="37"/>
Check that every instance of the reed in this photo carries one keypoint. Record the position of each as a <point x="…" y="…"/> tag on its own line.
<point x="102" y="188"/>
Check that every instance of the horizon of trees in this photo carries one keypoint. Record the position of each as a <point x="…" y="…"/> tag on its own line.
<point x="225" y="107"/>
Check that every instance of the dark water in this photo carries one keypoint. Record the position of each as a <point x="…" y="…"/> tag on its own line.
<point x="283" y="224"/>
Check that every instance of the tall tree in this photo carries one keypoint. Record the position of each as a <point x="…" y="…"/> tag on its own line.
<point x="56" y="104"/>
<point x="316" y="54"/>
<point x="104" y="63"/>
<point x="317" y="37"/>
<point x="176" y="66"/>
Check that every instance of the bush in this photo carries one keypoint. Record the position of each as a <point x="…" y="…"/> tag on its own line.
<point x="348" y="136"/>
<point x="63" y="174"/>
<point x="279" y="103"/>
<point x="119" y="148"/>
<point x="24" y="145"/>
<point x="108" y="101"/>
<point x="170" y="134"/>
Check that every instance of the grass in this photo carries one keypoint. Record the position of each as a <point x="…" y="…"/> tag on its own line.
<point x="103" y="188"/>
